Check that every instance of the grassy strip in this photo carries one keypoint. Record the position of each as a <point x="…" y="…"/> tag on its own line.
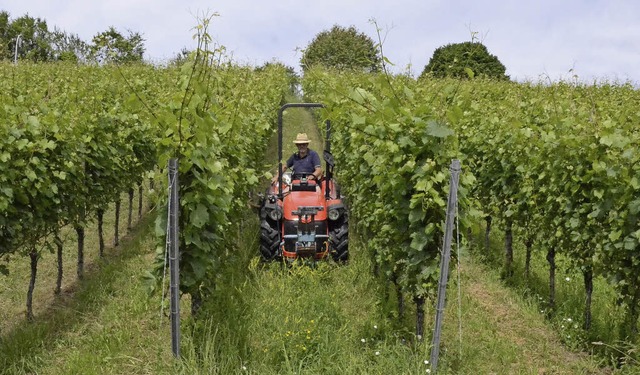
<point x="568" y="317"/>
<point x="329" y="319"/>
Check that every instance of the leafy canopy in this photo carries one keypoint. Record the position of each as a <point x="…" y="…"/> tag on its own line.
<point x="37" y="43"/>
<point x="343" y="49"/>
<point x="112" y="47"/>
<point x="33" y="36"/>
<point x="464" y="60"/>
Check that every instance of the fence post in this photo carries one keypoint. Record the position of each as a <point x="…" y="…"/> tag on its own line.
<point x="444" y="261"/>
<point x="174" y="256"/>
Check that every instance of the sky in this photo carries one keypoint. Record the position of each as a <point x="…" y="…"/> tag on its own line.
<point x="537" y="40"/>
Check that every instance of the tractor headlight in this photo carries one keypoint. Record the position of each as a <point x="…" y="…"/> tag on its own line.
<point x="275" y="214"/>
<point x="334" y="214"/>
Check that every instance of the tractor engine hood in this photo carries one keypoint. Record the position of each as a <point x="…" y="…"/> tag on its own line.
<point x="294" y="200"/>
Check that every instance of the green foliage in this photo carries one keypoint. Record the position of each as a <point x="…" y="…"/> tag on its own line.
<point x="393" y="149"/>
<point x="111" y="46"/>
<point x="292" y="76"/>
<point x="39" y="44"/>
<point x="180" y="58"/>
<point x="68" y="147"/>
<point x="68" y="47"/>
<point x="342" y="49"/>
<point x="34" y="34"/>
<point x="109" y="326"/>
<point x="464" y="60"/>
<point x="559" y="162"/>
<point x="217" y="124"/>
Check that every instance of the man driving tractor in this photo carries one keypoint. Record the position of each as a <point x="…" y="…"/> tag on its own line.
<point x="301" y="218"/>
<point x="305" y="161"/>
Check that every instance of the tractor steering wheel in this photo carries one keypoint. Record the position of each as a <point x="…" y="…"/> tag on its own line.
<point x="303" y="176"/>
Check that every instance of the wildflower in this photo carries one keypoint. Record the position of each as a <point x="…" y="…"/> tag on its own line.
<point x="375" y="327"/>
<point x="568" y="278"/>
<point x="377" y="353"/>
<point x="244" y="368"/>
<point x="569" y="320"/>
<point x="426" y="362"/>
<point x="428" y="371"/>
<point x="363" y="340"/>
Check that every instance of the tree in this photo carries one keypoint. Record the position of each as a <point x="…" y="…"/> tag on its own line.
<point x="464" y="60"/>
<point x="34" y="38"/>
<point x="37" y="43"/>
<point x="4" y="35"/>
<point x="343" y="49"/>
<point x="181" y="57"/>
<point x="111" y="47"/>
<point x="294" y="80"/>
<point x="68" y="47"/>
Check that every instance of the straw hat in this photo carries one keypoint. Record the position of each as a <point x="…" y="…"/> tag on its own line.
<point x="302" y="138"/>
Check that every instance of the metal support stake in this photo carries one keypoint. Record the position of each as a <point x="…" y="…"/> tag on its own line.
<point x="15" y="55"/>
<point x="444" y="261"/>
<point x="174" y="256"/>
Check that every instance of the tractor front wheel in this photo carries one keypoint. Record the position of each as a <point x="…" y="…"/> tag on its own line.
<point x="269" y="241"/>
<point x="339" y="240"/>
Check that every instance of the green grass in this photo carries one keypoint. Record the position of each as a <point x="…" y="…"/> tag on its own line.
<point x="329" y="319"/>
<point x="568" y="317"/>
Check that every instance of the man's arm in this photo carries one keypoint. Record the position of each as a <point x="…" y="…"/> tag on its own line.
<point x="285" y="166"/>
<point x="317" y="173"/>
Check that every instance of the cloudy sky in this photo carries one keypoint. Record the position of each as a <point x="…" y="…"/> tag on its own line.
<point x="535" y="40"/>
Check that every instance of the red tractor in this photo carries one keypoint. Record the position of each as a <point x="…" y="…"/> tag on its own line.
<point x="301" y="217"/>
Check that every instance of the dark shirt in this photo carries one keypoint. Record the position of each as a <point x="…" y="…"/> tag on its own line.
<point x="307" y="164"/>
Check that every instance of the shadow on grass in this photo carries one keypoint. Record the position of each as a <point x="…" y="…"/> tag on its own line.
<point x="20" y="347"/>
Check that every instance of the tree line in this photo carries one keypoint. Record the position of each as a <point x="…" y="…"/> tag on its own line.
<point x="347" y="49"/>
<point x="340" y="48"/>
<point x="29" y="38"/>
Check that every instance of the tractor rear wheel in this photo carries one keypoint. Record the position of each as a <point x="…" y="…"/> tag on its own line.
<point x="269" y="241"/>
<point x="339" y="241"/>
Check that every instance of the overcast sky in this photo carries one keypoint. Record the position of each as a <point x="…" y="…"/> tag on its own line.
<point x="593" y="39"/>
